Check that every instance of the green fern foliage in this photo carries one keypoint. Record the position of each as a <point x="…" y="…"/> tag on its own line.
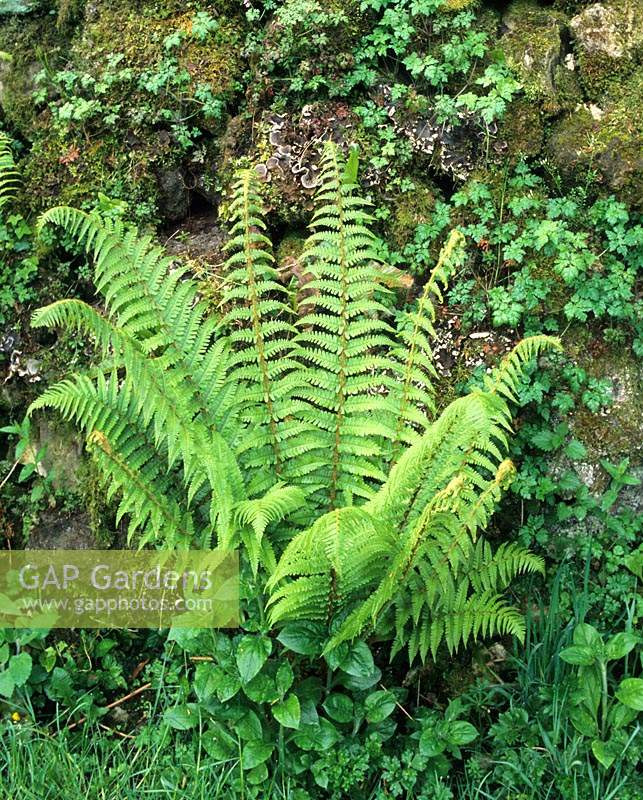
<point x="313" y="443"/>
<point x="261" y="335"/>
<point x="415" y="554"/>
<point x="9" y="175"/>
<point x="413" y="390"/>
<point x="344" y="343"/>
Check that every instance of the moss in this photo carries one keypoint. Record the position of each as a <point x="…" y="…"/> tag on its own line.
<point x="615" y="433"/>
<point x="608" y="41"/>
<point x="608" y="140"/>
<point x="22" y="38"/>
<point x="410" y="209"/>
<point x="459" y="5"/>
<point x="523" y="130"/>
<point x="533" y="48"/>
<point x="73" y="172"/>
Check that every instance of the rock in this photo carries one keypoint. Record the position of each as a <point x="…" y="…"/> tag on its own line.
<point x="534" y="46"/>
<point x="173" y="195"/>
<point x="200" y="239"/>
<point x="615" y="433"/>
<point x="606" y="138"/>
<point x="607" y="37"/>
<point x="57" y="531"/>
<point x="64" y="452"/>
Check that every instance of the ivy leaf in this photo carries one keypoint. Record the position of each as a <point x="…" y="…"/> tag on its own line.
<point x="252" y="654"/>
<point x="288" y="712"/>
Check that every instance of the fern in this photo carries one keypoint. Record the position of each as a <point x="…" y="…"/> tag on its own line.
<point x="9" y="175"/>
<point x="261" y="336"/>
<point x="278" y="435"/>
<point x="413" y="390"/>
<point x="420" y="580"/>
<point x="344" y="344"/>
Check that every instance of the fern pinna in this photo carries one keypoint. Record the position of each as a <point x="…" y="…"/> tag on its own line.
<point x="311" y="443"/>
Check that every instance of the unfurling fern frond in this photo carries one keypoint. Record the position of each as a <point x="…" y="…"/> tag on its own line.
<point x="9" y="175"/>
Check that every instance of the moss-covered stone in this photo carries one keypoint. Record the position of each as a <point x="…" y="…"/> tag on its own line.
<point x="607" y="139"/>
<point x="22" y="38"/>
<point x="608" y="39"/>
<point x="410" y="209"/>
<point x="616" y="432"/>
<point x="142" y="91"/>
<point x="522" y="129"/>
<point x="534" y="47"/>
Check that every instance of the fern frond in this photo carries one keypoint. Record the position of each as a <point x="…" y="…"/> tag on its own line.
<point x="343" y="343"/>
<point x="257" y="514"/>
<point x="261" y="333"/>
<point x="205" y="456"/>
<point x="413" y="391"/>
<point x="9" y="175"/>
<point x="154" y="302"/>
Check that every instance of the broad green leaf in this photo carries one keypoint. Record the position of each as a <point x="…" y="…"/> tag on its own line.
<point x="284" y="678"/>
<point x="20" y="667"/>
<point x="461" y="732"/>
<point x="305" y="638"/>
<point x="603" y="753"/>
<point x="620" y="645"/>
<point x="288" y="712"/>
<point x="206" y="677"/>
<point x="379" y="705"/>
<point x="587" y="636"/>
<point x="254" y="753"/>
<point x="583" y="721"/>
<point x="252" y="654"/>
<point x="182" y="718"/>
<point x="219" y="743"/>
<point x="577" y="654"/>
<point x="630" y="693"/>
<point x="358" y="662"/>
<point x="7" y="685"/>
<point x="339" y="707"/>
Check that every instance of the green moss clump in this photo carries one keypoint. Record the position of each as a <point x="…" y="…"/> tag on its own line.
<point x="608" y="40"/>
<point x="22" y="38"/>
<point x="522" y="128"/>
<point x="608" y="140"/>
<point x="533" y="48"/>
<point x="410" y="209"/>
